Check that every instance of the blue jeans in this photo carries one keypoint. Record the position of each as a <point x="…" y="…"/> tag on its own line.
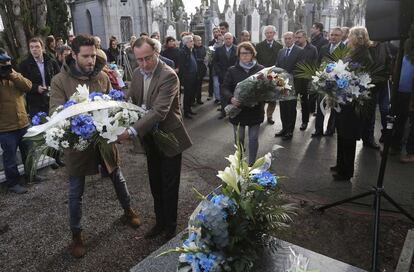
<point x="9" y="142"/>
<point x="253" y="140"/>
<point x="76" y="188"/>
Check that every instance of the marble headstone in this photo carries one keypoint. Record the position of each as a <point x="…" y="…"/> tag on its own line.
<point x="255" y="26"/>
<point x="171" y="32"/>
<point x="231" y="20"/>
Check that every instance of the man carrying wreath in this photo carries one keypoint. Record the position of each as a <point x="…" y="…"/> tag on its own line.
<point x="85" y="67"/>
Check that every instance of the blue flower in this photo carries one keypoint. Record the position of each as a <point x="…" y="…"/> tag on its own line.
<point x="207" y="262"/>
<point x="330" y="67"/>
<point x="117" y="95"/>
<point x="68" y="104"/>
<point x="95" y="94"/>
<point x="266" y="179"/>
<point x="39" y="118"/>
<point x="82" y="126"/>
<point x="342" y="83"/>
<point x="224" y="202"/>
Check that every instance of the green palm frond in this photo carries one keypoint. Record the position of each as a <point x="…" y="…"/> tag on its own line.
<point x="306" y="70"/>
<point x="338" y="54"/>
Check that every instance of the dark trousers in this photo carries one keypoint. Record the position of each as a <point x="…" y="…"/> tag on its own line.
<point x="320" y="119"/>
<point x="164" y="176"/>
<point x="288" y="115"/>
<point x="368" y="121"/>
<point x="210" y="81"/>
<point x="198" y="89"/>
<point x="345" y="156"/>
<point x="410" y="141"/>
<point x="189" y="92"/>
<point x="313" y="98"/>
<point x="303" y="86"/>
<point x="9" y="142"/>
<point x="383" y="103"/>
<point x="400" y="108"/>
<point x="76" y="189"/>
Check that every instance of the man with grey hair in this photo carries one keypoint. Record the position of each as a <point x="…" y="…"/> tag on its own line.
<point x="188" y="73"/>
<point x="267" y="51"/>
<point x="224" y="57"/>
<point x="157" y="48"/>
<point x="97" y="42"/>
<point x="200" y="54"/>
<point x="287" y="59"/>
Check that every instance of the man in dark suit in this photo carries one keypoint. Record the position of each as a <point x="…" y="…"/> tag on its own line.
<point x="267" y="51"/>
<point x="39" y="68"/>
<point x="335" y="43"/>
<point x="216" y="32"/>
<point x="317" y="38"/>
<point x="287" y="59"/>
<point x="310" y="56"/>
<point x="224" y="57"/>
<point x="156" y="85"/>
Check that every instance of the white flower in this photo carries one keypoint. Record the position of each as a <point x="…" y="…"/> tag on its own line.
<point x="133" y="117"/>
<point x="230" y="177"/>
<point x="106" y="97"/>
<point x="340" y="67"/>
<point x="365" y="80"/>
<point x="81" y="94"/>
<point x="112" y="132"/>
<point x="100" y="119"/>
<point x="64" y="144"/>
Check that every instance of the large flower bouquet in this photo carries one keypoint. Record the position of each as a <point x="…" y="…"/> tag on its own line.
<point x="86" y="119"/>
<point x="228" y="229"/>
<point x="269" y="84"/>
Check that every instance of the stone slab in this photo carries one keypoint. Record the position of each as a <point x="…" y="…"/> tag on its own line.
<point x="272" y="262"/>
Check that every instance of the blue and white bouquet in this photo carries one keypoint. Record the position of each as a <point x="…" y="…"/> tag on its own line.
<point x="227" y="230"/>
<point x="343" y="83"/>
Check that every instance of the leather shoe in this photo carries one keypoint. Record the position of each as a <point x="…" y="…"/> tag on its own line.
<point x="372" y="145"/>
<point x="339" y="177"/>
<point x="270" y="120"/>
<point x="316" y="134"/>
<point x="287" y="136"/>
<point x="280" y="133"/>
<point x="187" y="116"/>
<point x="304" y="126"/>
<point x="154" y="232"/>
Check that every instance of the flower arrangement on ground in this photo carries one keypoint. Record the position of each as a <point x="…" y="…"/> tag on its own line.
<point x="269" y="84"/>
<point x="227" y="230"/>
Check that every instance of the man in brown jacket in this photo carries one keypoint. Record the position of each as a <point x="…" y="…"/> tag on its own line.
<point x="156" y="86"/>
<point x="13" y="120"/>
<point x="84" y="67"/>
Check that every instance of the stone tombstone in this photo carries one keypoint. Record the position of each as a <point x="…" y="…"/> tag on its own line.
<point x="255" y="29"/>
<point x="155" y="27"/>
<point x="231" y="20"/>
<point x="240" y="23"/>
<point x="171" y="32"/>
<point x="283" y="25"/>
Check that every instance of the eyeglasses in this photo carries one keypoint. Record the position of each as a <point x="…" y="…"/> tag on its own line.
<point x="245" y="53"/>
<point x="146" y="59"/>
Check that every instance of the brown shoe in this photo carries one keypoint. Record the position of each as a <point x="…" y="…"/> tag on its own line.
<point x="131" y="217"/>
<point x="407" y="159"/>
<point x="77" y="248"/>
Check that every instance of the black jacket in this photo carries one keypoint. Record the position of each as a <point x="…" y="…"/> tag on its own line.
<point x="172" y="54"/>
<point x="249" y="115"/>
<point x="289" y="63"/>
<point x="35" y="101"/>
<point x="324" y="52"/>
<point x="319" y="41"/>
<point x="185" y="67"/>
<point x="310" y="54"/>
<point x="221" y="62"/>
<point x="112" y="55"/>
<point x="200" y="54"/>
<point x="266" y="55"/>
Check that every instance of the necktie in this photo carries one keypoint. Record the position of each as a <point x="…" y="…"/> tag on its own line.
<point x="228" y="53"/>
<point x="332" y="49"/>
<point x="287" y="52"/>
<point x="270" y="45"/>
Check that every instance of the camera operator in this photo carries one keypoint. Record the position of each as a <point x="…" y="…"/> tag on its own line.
<point x="13" y="120"/>
<point x="39" y="68"/>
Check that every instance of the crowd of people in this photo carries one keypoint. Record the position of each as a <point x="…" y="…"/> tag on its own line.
<point x="48" y="76"/>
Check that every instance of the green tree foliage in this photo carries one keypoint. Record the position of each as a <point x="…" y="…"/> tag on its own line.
<point x="58" y="20"/>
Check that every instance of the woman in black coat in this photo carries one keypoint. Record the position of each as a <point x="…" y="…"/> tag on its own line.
<point x="251" y="117"/>
<point x="348" y="122"/>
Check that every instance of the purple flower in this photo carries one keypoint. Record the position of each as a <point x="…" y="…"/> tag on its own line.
<point x="330" y="67"/>
<point x="82" y="125"/>
<point x="95" y="94"/>
<point x="117" y="95"/>
<point x="39" y="118"/>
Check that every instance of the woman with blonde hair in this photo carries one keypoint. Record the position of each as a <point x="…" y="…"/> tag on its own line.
<point x="250" y="117"/>
<point x="349" y="124"/>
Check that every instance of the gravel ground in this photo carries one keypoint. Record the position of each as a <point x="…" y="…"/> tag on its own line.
<point x="34" y="232"/>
